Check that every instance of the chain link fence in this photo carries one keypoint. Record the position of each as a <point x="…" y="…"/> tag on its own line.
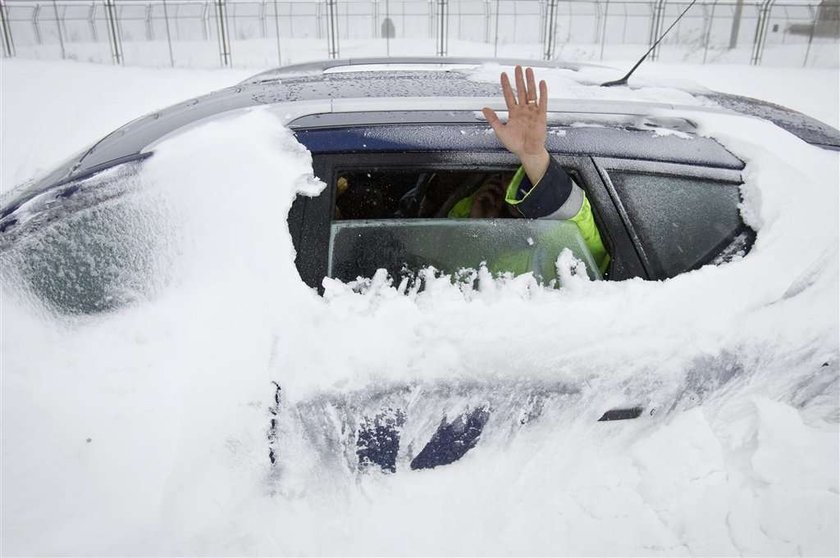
<point x="260" y="33"/>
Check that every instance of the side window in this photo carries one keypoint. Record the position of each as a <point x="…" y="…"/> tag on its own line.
<point x="403" y="247"/>
<point x="403" y="220"/>
<point x="412" y="194"/>
<point x="682" y="222"/>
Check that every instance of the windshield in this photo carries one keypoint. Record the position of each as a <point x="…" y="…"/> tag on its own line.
<point x="85" y="247"/>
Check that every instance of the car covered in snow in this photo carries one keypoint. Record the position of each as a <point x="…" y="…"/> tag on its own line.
<point x="398" y="143"/>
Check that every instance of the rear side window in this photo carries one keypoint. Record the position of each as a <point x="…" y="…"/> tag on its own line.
<point x="682" y="222"/>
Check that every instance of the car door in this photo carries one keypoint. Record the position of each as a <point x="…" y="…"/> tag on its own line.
<point x="337" y="152"/>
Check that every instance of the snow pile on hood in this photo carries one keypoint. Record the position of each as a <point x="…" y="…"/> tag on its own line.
<point x="144" y="430"/>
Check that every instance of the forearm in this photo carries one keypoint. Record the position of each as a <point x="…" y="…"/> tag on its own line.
<point x="556" y="196"/>
<point x="553" y="196"/>
<point x="535" y="164"/>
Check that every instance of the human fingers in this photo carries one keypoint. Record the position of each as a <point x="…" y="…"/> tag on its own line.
<point x="520" y="86"/>
<point x="543" y="96"/>
<point x="507" y="91"/>
<point x="531" y="92"/>
<point x="492" y="118"/>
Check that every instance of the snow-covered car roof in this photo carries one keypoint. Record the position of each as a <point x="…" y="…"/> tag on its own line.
<point x="397" y="63"/>
<point x="431" y="90"/>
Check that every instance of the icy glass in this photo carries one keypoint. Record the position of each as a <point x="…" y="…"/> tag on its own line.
<point x="683" y="222"/>
<point x="359" y="248"/>
<point x="88" y="247"/>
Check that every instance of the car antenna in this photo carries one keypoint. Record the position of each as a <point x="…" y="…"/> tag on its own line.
<point x="623" y="81"/>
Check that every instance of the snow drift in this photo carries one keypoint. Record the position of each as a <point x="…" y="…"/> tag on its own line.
<point x="144" y="430"/>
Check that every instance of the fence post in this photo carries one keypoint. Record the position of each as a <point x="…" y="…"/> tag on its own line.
<point x="787" y="20"/>
<point x="176" y="16"/>
<point x="597" y="13"/>
<point x="496" y="39"/>
<point x="388" y="35"/>
<point x="442" y="27"/>
<point x="222" y="28"/>
<point x="814" y="15"/>
<point x="332" y="29"/>
<point x="569" y="26"/>
<point x="36" y="27"/>
<point x="205" y="20"/>
<point x="113" y="31"/>
<point x="542" y="21"/>
<point x="374" y="20"/>
<point x="431" y="8"/>
<point x="487" y="21"/>
<point x="709" y="31"/>
<point x="168" y="34"/>
<point x="460" y="18"/>
<point x="757" y="37"/>
<point x="60" y="33"/>
<point x="761" y="31"/>
<point x="604" y="28"/>
<point x="150" y="31"/>
<point x="92" y="22"/>
<point x="549" y="29"/>
<point x="277" y="32"/>
<point x="736" y="24"/>
<point x="8" y="43"/>
<point x="656" y="27"/>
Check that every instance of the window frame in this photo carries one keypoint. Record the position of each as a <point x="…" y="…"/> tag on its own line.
<point x="606" y="165"/>
<point x="310" y="217"/>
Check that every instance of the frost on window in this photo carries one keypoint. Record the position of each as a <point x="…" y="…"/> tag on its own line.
<point x="683" y="222"/>
<point x="403" y="246"/>
<point x="455" y="221"/>
<point x="85" y="247"/>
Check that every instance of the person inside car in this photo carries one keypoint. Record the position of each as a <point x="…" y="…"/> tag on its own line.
<point x="540" y="188"/>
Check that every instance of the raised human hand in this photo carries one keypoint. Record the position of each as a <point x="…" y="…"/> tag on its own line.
<point x="524" y="133"/>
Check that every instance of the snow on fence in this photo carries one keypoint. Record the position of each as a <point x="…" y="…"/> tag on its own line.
<point x="202" y="33"/>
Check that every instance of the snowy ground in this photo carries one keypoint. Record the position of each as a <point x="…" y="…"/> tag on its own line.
<point x="143" y="432"/>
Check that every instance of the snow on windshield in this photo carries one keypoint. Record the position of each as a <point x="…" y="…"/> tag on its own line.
<point x="146" y="428"/>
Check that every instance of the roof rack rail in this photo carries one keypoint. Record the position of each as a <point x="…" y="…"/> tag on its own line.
<point x="324" y="65"/>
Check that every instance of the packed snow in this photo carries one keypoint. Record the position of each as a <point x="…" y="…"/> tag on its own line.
<point x="144" y="430"/>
